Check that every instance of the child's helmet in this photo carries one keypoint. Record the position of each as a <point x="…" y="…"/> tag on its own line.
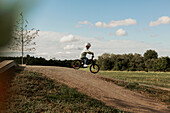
<point x="88" y="44"/>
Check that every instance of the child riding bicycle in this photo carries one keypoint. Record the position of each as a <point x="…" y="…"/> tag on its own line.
<point x="84" y="53"/>
<point x="76" y="64"/>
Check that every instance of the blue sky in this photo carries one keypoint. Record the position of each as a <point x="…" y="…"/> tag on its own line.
<point x="63" y="15"/>
<point x="77" y="20"/>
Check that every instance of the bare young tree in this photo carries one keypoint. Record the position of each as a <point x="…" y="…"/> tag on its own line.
<point x="22" y="38"/>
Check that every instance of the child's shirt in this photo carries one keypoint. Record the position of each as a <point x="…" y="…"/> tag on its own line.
<point x="84" y="52"/>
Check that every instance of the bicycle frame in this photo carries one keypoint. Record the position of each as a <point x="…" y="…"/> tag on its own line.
<point x="79" y="63"/>
<point x="89" y="61"/>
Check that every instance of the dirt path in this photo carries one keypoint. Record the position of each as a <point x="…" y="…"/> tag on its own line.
<point x="106" y="92"/>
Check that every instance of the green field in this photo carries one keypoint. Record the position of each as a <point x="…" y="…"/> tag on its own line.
<point x="131" y="80"/>
<point x="161" y="79"/>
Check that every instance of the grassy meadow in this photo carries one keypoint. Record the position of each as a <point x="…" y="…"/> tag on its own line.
<point x="131" y="80"/>
<point x="161" y="79"/>
<point x="32" y="92"/>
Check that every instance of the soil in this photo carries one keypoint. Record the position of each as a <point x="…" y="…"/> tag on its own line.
<point x="107" y="92"/>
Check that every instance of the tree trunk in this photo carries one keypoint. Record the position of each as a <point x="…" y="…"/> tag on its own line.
<point x="22" y="40"/>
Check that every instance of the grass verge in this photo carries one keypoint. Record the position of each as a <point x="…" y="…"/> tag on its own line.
<point x="32" y="92"/>
<point x="156" y="94"/>
<point x="151" y="78"/>
<point x="131" y="80"/>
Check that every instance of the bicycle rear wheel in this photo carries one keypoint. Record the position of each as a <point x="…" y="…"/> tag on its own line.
<point x="94" y="68"/>
<point x="76" y="64"/>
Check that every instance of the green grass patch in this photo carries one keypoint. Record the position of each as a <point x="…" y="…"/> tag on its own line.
<point x="32" y="92"/>
<point x="156" y="94"/>
<point x="131" y="80"/>
<point x="151" y="78"/>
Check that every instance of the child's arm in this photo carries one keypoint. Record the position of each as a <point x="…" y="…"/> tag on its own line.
<point x="90" y="53"/>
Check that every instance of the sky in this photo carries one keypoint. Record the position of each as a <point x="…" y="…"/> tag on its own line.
<point x="111" y="26"/>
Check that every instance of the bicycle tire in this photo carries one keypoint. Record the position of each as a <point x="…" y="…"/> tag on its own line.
<point x="76" y="64"/>
<point x="93" y="70"/>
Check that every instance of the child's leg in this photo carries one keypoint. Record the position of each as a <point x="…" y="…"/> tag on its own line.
<point x="85" y="60"/>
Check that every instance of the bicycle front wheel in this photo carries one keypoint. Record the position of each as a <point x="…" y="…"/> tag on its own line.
<point x="76" y="64"/>
<point x="94" y="68"/>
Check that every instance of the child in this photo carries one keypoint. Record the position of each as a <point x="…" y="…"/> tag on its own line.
<point x="84" y="52"/>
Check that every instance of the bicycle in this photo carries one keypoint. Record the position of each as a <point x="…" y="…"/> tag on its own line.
<point x="78" y="63"/>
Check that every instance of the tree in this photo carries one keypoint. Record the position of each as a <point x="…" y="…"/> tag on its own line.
<point x="139" y="62"/>
<point x="162" y="64"/>
<point x="150" y="54"/>
<point x="150" y="65"/>
<point x="104" y="62"/>
<point x="22" y="37"/>
<point x="134" y="62"/>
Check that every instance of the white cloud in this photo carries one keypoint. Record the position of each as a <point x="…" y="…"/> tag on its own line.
<point x="113" y="23"/>
<point x="99" y="24"/>
<point x="120" y="32"/>
<point x="49" y="46"/>
<point x="84" y="22"/>
<point x="59" y="52"/>
<point x="43" y="54"/>
<point x="100" y="38"/>
<point x="161" y="20"/>
<point x="69" y="38"/>
<point x="67" y="52"/>
<point x="72" y="47"/>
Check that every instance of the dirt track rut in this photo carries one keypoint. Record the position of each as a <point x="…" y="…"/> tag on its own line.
<point x="107" y="92"/>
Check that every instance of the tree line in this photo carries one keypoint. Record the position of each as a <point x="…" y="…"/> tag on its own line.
<point x="31" y="60"/>
<point x="134" y="62"/>
<point x="125" y="62"/>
